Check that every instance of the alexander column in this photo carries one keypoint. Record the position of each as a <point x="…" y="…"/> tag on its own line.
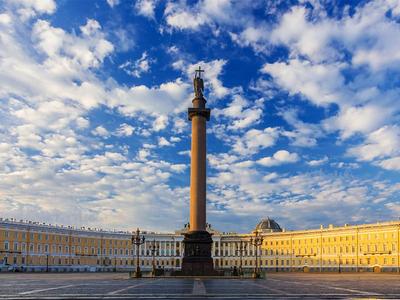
<point x="197" y="259"/>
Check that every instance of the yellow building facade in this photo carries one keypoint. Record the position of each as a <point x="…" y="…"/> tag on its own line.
<point x="33" y="246"/>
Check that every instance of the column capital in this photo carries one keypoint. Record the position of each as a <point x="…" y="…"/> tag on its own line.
<point x="204" y="112"/>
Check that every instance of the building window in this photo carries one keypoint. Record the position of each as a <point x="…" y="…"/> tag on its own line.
<point x="6" y="246"/>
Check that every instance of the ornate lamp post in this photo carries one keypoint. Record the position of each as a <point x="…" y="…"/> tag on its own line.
<point x="137" y="240"/>
<point x="47" y="262"/>
<point x="154" y="248"/>
<point x="242" y="248"/>
<point x="256" y="241"/>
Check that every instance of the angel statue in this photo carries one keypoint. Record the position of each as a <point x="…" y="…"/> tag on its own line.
<point x="198" y="83"/>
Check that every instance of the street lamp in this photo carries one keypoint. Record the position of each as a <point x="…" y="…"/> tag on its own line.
<point x="242" y="247"/>
<point x="47" y="262"/>
<point x="137" y="240"/>
<point x="154" y="248"/>
<point x="256" y="241"/>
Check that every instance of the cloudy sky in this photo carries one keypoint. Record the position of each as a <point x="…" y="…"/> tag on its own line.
<point x="305" y="103"/>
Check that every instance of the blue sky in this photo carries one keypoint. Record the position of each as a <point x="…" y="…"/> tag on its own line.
<point x="304" y="98"/>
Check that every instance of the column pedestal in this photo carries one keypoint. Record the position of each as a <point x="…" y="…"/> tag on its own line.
<point x="197" y="260"/>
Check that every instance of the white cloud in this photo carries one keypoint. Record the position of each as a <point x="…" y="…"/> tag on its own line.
<point x="28" y="9"/>
<point x="363" y="119"/>
<point x="100" y="131"/>
<point x="124" y="130"/>
<point x="113" y="3"/>
<point x="394" y="207"/>
<point x="318" y="162"/>
<point x="179" y="125"/>
<point x="381" y="143"/>
<point x="305" y="38"/>
<point x="163" y="142"/>
<point x="137" y="68"/>
<point x="179" y="16"/>
<point x="256" y="37"/>
<point x="82" y="123"/>
<point x="345" y="165"/>
<point x="391" y="163"/>
<point x="146" y="8"/>
<point x="221" y="161"/>
<point x="240" y="113"/>
<point x="169" y="97"/>
<point x="91" y="28"/>
<point x="160" y="123"/>
<point x="88" y="51"/>
<point x="184" y="152"/>
<point x="254" y="140"/>
<point x="280" y="157"/>
<point x="215" y="14"/>
<point x="303" y="134"/>
<point x="179" y="168"/>
<point x="322" y="84"/>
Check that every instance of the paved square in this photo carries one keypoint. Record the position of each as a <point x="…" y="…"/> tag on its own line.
<point x="275" y="286"/>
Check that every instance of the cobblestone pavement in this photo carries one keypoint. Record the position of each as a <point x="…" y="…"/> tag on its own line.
<point x="275" y="286"/>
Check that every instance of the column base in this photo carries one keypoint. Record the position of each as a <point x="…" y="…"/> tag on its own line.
<point x="197" y="260"/>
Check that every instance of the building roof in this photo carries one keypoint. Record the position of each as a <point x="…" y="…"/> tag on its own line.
<point x="268" y="225"/>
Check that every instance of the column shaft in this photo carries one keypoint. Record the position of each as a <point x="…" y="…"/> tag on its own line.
<point x="198" y="175"/>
